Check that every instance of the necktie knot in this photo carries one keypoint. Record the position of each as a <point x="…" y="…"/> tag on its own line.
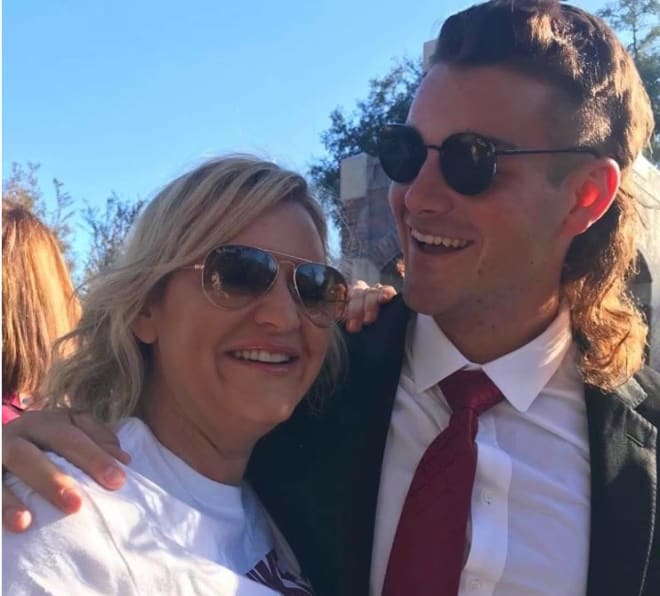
<point x="470" y="389"/>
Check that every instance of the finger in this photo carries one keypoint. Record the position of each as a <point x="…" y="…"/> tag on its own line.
<point x="358" y="287"/>
<point x="34" y="468"/>
<point x="371" y="306"/>
<point x="386" y="294"/>
<point x="57" y="431"/>
<point x="15" y="516"/>
<point x="76" y="446"/>
<point x="355" y="311"/>
<point x="101" y="434"/>
<point x="373" y="300"/>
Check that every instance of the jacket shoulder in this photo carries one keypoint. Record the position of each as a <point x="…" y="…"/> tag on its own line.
<point x="388" y="329"/>
<point x="649" y="378"/>
<point x="649" y="381"/>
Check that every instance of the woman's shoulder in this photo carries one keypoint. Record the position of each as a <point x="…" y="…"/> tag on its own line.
<point x="60" y="553"/>
<point x="131" y="432"/>
<point x="118" y="543"/>
<point x="111" y="513"/>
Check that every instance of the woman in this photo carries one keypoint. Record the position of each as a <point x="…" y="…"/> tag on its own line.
<point x="212" y="326"/>
<point x="38" y="304"/>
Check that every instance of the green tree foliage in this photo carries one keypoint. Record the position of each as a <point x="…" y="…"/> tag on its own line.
<point x="22" y="187"/>
<point x="388" y="100"/>
<point x="108" y="228"/>
<point x="638" y="23"/>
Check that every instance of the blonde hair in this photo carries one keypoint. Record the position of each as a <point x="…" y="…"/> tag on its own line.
<point x="185" y="220"/>
<point x="38" y="299"/>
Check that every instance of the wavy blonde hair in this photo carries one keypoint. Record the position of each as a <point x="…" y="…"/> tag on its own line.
<point x="600" y="102"/>
<point x="38" y="298"/>
<point x="185" y="220"/>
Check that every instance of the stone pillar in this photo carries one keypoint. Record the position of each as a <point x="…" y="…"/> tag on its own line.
<point x="427" y="52"/>
<point x="646" y="287"/>
<point x="372" y="242"/>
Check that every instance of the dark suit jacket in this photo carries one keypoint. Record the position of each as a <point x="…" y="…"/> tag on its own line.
<point x="318" y="474"/>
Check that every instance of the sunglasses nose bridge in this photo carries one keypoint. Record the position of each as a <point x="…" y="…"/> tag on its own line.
<point x="288" y="269"/>
<point x="279" y="306"/>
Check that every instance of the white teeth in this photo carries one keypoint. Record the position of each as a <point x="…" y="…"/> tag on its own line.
<point x="439" y="240"/>
<point x="262" y="356"/>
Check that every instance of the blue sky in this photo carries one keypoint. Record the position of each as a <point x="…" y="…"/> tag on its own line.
<point x="122" y="96"/>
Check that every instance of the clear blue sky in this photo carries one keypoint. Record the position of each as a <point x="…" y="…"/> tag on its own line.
<point x="122" y="96"/>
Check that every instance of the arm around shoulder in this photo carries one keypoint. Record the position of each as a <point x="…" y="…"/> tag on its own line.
<point x="62" y="554"/>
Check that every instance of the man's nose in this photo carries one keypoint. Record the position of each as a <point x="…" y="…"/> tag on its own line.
<point x="428" y="193"/>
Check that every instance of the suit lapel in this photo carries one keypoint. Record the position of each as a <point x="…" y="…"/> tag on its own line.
<point x="318" y="474"/>
<point x="375" y="361"/>
<point x="623" y="487"/>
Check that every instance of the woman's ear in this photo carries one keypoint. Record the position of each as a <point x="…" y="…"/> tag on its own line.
<point x="592" y="189"/>
<point x="144" y="327"/>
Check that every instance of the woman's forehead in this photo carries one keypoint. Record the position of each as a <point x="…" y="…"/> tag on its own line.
<point x="286" y="228"/>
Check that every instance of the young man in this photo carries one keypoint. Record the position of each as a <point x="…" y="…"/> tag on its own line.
<point x="511" y="195"/>
<point x="516" y="264"/>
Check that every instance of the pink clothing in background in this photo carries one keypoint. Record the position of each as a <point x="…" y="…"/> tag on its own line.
<point x="12" y="407"/>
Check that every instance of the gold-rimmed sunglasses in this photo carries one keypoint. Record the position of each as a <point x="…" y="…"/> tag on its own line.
<point x="234" y="275"/>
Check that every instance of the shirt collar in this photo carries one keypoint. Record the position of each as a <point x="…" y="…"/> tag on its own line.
<point x="520" y="375"/>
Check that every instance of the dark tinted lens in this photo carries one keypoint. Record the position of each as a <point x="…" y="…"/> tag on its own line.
<point x="401" y="152"/>
<point x="467" y="162"/>
<point x="323" y="291"/>
<point x="235" y="275"/>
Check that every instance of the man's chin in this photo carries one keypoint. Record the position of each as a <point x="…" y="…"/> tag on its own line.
<point x="421" y="299"/>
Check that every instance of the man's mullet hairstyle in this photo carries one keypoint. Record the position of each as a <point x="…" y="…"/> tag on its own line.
<point x="601" y="102"/>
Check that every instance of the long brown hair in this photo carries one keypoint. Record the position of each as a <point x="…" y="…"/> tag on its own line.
<point x="600" y="102"/>
<point x="38" y="299"/>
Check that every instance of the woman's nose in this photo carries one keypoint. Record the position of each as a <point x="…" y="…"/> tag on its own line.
<point x="280" y="308"/>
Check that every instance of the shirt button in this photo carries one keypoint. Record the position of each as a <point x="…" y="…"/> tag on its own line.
<point x="487" y="497"/>
<point x="474" y="585"/>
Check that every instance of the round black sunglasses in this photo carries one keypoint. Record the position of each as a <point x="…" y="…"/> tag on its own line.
<point x="467" y="160"/>
<point x="234" y="275"/>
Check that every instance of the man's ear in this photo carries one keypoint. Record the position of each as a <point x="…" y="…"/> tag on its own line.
<point x="592" y="188"/>
<point x="144" y="327"/>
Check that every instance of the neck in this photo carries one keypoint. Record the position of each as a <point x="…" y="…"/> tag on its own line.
<point x="486" y="334"/>
<point x="220" y="458"/>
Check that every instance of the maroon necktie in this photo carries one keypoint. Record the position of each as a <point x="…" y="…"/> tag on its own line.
<point x="429" y="546"/>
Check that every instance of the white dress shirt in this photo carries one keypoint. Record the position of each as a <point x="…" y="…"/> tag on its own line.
<point x="529" y="530"/>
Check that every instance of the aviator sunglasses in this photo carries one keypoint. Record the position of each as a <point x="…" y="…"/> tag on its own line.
<point x="233" y="276"/>
<point x="467" y="160"/>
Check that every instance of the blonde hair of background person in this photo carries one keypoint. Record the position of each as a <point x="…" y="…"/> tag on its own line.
<point x="39" y="303"/>
<point x="190" y="216"/>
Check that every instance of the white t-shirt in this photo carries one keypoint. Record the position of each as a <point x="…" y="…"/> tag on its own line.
<point x="169" y="530"/>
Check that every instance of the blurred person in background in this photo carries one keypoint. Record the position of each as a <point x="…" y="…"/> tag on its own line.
<point x="39" y="304"/>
